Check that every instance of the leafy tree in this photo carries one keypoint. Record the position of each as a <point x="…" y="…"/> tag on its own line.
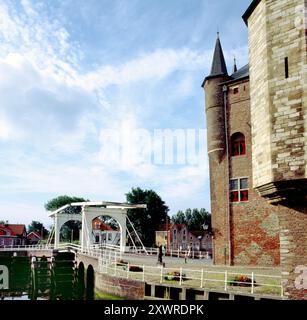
<point x="194" y="219"/>
<point x="71" y="228"/>
<point x="179" y="218"/>
<point x="70" y="231"/>
<point x="61" y="201"/>
<point x="188" y="217"/>
<point x="38" y="227"/>
<point x="147" y="221"/>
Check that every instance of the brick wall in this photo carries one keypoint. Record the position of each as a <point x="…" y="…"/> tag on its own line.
<point x="293" y="240"/>
<point x="125" y="288"/>
<point x="277" y="30"/>
<point x="254" y="224"/>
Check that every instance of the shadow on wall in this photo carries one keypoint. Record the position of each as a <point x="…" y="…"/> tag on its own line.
<point x="90" y="281"/>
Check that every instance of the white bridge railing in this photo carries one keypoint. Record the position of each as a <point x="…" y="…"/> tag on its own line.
<point x="110" y="261"/>
<point x="95" y="249"/>
<point x="27" y="248"/>
<point x="228" y="281"/>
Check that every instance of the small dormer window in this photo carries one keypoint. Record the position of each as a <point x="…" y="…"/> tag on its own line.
<point x="235" y="90"/>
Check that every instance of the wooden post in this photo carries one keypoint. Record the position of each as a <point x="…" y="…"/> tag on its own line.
<point x="180" y="282"/>
<point x="226" y="278"/>
<point x="202" y="278"/>
<point x="143" y="273"/>
<point x="161" y="275"/>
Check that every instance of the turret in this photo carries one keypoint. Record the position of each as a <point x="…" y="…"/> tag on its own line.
<point x="215" y="112"/>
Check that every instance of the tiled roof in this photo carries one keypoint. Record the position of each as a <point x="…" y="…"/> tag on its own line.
<point x="35" y="234"/>
<point x="14" y="229"/>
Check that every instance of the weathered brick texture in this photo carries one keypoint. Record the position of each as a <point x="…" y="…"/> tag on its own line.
<point x="254" y="226"/>
<point x="125" y="288"/>
<point x="269" y="108"/>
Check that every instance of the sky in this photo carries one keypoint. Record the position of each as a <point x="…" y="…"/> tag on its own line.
<point x="87" y="87"/>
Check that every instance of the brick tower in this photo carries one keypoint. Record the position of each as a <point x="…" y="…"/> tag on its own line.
<point x="257" y="146"/>
<point x="216" y="138"/>
<point x="246" y="229"/>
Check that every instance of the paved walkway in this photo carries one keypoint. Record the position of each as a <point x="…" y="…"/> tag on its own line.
<point x="195" y="264"/>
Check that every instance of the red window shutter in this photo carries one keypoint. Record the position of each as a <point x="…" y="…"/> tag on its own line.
<point x="234" y="196"/>
<point x="244" y="195"/>
<point x="243" y="149"/>
<point x="236" y="149"/>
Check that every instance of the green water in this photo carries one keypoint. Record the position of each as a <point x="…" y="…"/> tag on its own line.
<point x="104" y="296"/>
<point x="98" y="296"/>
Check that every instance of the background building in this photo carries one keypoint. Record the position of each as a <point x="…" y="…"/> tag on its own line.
<point x="179" y="237"/>
<point x="104" y="234"/>
<point x="34" y="238"/>
<point x="13" y="234"/>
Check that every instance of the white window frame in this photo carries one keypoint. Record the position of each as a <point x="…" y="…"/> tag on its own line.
<point x="239" y="189"/>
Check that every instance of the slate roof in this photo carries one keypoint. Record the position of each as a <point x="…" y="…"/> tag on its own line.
<point x="218" y="67"/>
<point x="241" y="73"/>
<point x="218" y="63"/>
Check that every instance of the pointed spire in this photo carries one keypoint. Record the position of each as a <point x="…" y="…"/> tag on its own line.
<point x="235" y="68"/>
<point x="218" y="64"/>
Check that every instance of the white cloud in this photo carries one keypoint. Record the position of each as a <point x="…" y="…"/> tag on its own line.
<point x="54" y="111"/>
<point x="6" y="129"/>
<point x="28" y="8"/>
<point x="24" y="213"/>
<point x="157" y="65"/>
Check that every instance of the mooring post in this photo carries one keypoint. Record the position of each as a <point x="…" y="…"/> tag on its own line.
<point x="202" y="278"/>
<point x="161" y="275"/>
<point x="180" y="282"/>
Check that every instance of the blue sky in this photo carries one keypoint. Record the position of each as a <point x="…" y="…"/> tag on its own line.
<point x="72" y="69"/>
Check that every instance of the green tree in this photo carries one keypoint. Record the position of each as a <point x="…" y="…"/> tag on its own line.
<point x="147" y="221"/>
<point x="38" y="227"/>
<point x="188" y="218"/>
<point x="61" y="201"/>
<point x="206" y="218"/>
<point x="194" y="219"/>
<point x="70" y="230"/>
<point x="179" y="218"/>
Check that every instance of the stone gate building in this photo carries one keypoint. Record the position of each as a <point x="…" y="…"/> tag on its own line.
<point x="257" y="145"/>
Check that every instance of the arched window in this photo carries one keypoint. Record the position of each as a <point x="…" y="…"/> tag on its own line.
<point x="238" y="147"/>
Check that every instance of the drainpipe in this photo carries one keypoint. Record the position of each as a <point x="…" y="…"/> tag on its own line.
<point x="225" y="89"/>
